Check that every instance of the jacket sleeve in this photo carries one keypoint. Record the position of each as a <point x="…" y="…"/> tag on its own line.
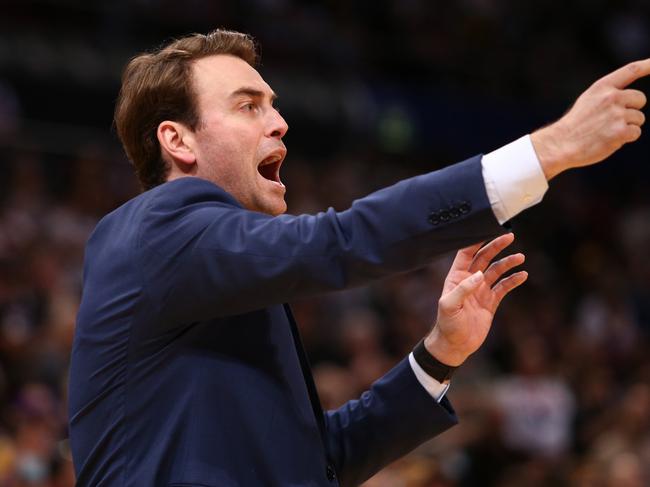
<point x="206" y="258"/>
<point x="392" y="418"/>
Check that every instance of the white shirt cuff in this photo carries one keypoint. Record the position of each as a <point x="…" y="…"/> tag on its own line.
<point x="514" y="179"/>
<point x="436" y="389"/>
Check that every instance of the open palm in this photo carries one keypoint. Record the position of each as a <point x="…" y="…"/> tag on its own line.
<point x="471" y="295"/>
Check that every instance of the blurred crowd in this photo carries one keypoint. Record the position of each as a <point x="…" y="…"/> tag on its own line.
<point x="560" y="393"/>
<point x="374" y="91"/>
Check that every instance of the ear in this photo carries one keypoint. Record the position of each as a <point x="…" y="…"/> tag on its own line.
<point x="176" y="141"/>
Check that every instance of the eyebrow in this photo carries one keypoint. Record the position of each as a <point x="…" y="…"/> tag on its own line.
<point x="252" y="92"/>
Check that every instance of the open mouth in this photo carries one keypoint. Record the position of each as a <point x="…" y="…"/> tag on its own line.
<point x="269" y="168"/>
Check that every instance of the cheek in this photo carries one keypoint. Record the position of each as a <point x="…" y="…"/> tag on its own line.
<point x="234" y="170"/>
<point x="229" y="154"/>
<point x="232" y="143"/>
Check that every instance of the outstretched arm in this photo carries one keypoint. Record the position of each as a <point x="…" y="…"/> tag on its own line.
<point x="218" y="259"/>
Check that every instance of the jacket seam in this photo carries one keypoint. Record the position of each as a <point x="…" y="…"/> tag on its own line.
<point x="129" y="352"/>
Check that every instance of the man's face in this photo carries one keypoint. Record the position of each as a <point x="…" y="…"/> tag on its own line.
<point x="239" y="138"/>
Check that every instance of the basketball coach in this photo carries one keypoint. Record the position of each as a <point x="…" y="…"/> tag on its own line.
<point x="187" y="367"/>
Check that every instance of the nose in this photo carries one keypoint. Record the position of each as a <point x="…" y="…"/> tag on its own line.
<point x="277" y="125"/>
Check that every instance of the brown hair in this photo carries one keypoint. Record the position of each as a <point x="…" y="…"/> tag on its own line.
<point x="157" y="86"/>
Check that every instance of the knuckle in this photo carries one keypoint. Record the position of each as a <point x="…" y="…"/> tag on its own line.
<point x="634" y="133"/>
<point x="610" y="97"/>
<point x="617" y="113"/>
<point x="638" y="98"/>
<point x="619" y="129"/>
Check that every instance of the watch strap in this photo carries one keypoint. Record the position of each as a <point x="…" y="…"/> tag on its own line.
<point x="431" y="365"/>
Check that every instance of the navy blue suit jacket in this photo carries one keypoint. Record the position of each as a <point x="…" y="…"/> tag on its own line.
<point x="187" y="368"/>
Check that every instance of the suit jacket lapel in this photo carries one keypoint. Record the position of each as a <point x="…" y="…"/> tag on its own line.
<point x="306" y="372"/>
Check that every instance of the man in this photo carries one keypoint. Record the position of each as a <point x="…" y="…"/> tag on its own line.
<point x="187" y="368"/>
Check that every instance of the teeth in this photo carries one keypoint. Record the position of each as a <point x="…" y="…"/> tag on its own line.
<point x="270" y="160"/>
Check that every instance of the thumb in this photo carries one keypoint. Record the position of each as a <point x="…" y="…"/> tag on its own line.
<point x="453" y="301"/>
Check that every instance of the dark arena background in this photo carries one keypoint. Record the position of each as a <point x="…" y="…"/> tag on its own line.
<point x="373" y="91"/>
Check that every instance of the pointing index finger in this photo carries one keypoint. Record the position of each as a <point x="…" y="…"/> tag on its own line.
<point x="629" y="73"/>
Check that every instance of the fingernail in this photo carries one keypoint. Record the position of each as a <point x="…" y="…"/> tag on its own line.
<point x="478" y="275"/>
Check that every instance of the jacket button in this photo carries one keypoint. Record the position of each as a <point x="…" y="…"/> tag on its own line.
<point x="331" y="474"/>
<point x="434" y="218"/>
<point x="464" y="208"/>
<point x="444" y="215"/>
<point x="454" y="212"/>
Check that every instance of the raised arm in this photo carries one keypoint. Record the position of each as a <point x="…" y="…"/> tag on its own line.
<point x="397" y="414"/>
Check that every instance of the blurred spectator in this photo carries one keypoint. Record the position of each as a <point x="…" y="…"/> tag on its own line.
<point x="534" y="407"/>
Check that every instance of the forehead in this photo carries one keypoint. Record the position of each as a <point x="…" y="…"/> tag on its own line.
<point x="221" y="75"/>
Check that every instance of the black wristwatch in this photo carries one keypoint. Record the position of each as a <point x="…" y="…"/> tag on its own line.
<point x="432" y="366"/>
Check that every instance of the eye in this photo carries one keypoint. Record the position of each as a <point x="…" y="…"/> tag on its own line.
<point x="250" y="107"/>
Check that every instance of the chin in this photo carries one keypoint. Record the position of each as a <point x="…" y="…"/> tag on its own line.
<point x="271" y="207"/>
<point x="278" y="209"/>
